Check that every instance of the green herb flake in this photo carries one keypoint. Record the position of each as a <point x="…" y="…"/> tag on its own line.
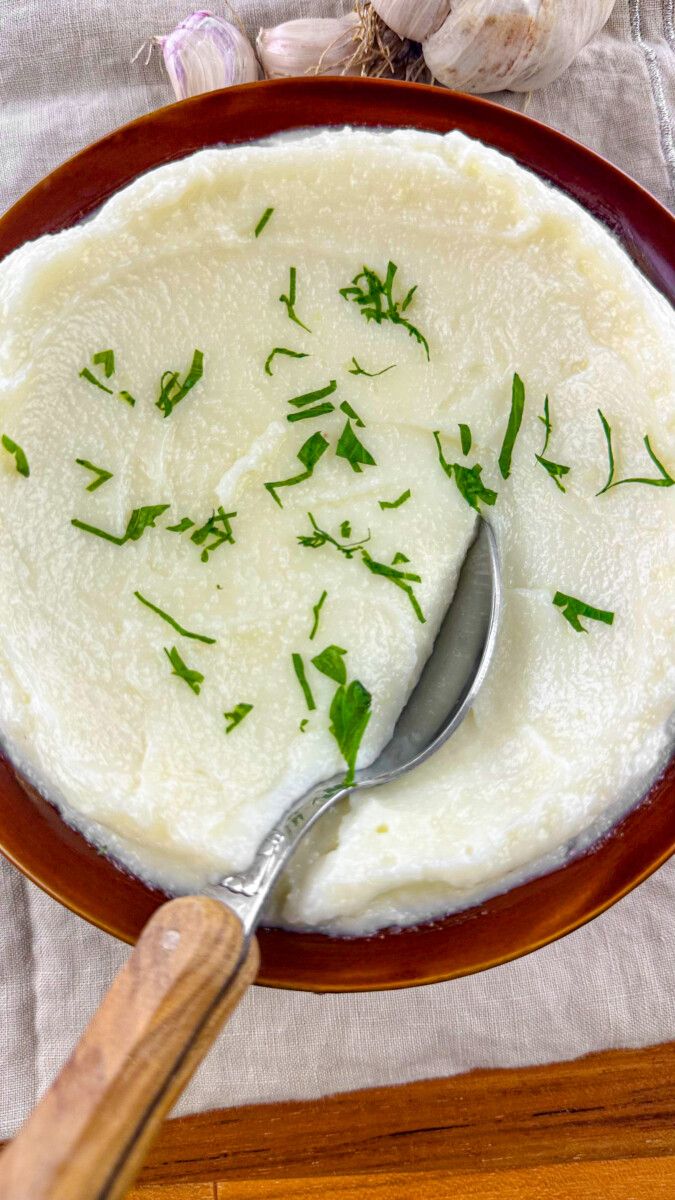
<point x="85" y="373"/>
<point x="306" y="414"/>
<point x="303" y="724"/>
<point x="299" y="668"/>
<point x="347" y="409"/>
<point x="127" y="397"/>
<point x="350" y="448"/>
<point x="172" y="391"/>
<point x="465" y="438"/>
<point x="310" y="397"/>
<point x="665" y="479"/>
<point x="262" y="222"/>
<point x="236" y="716"/>
<point x="346" y="529"/>
<point x="140" y="520"/>
<point x="308" y="454"/>
<point x="374" y="296"/>
<point x="281" y="350"/>
<point x="349" y="717"/>
<point x="400" y="579"/>
<point x="320" y="537"/>
<point x="556" y="470"/>
<point x="194" y="679"/>
<point x="106" y="358"/>
<point x="405" y="496"/>
<point x="513" y="426"/>
<point x="358" y="370"/>
<point x="182" y="526"/>
<point x="317" y="611"/>
<point x="218" y="527"/>
<point x="102" y="476"/>
<point x="573" y="609"/>
<point x="331" y="662"/>
<point x="468" y="480"/>
<point x="399" y="557"/>
<point x="197" y="637"/>
<point x="290" y="299"/>
<point x="19" y="455"/>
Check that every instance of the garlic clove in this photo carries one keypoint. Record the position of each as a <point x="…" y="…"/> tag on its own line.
<point x="488" y="45"/>
<point x="414" y="19"/>
<point x="206" y="52"/>
<point x="324" y="46"/>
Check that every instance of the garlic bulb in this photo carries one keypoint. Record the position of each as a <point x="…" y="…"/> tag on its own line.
<point x="303" y="47"/>
<point x="414" y="19"/>
<point x="488" y="45"/>
<point x="206" y="52"/>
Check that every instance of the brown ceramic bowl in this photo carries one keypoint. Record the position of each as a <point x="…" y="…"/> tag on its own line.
<point x="33" y="835"/>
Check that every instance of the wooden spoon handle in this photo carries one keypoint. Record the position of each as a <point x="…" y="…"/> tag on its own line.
<point x="88" y="1136"/>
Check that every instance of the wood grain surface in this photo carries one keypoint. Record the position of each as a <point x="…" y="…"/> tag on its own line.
<point x="600" y="1128"/>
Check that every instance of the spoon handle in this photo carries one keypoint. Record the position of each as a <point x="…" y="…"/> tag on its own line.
<point x="89" y="1134"/>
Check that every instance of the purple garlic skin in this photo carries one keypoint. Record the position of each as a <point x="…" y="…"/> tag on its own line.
<point x="205" y="52"/>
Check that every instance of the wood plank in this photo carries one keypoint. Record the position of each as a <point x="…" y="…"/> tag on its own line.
<point x="174" y="1191"/>
<point x="616" y="1105"/>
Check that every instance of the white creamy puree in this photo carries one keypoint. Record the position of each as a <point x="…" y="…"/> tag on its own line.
<point x="512" y="276"/>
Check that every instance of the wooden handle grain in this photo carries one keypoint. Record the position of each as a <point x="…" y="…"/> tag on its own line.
<point x="88" y="1136"/>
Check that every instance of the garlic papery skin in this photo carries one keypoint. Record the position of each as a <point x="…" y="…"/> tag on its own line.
<point x="413" y="19"/>
<point x="206" y="52"/>
<point x="488" y="45"/>
<point x="324" y="46"/>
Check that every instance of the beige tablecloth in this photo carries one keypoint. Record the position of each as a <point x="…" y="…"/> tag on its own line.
<point x="65" y="79"/>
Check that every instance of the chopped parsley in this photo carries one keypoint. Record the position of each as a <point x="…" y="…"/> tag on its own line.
<point x="197" y="637"/>
<point x="102" y="476"/>
<point x="320" y="538"/>
<point x="299" y="668"/>
<point x="236" y="716"/>
<point x="374" y="296"/>
<point x="306" y="414"/>
<point x="331" y="662"/>
<point x="290" y="299"/>
<point x="309" y="454"/>
<point x="465" y="438"/>
<point x="263" y="221"/>
<point x="310" y="397"/>
<point x="347" y="409"/>
<point x="468" y="480"/>
<point x="555" y="470"/>
<point x="513" y="426"/>
<point x="127" y="397"/>
<point x="664" y="480"/>
<point x="172" y="391"/>
<point x="85" y="373"/>
<point x="353" y="450"/>
<point x="358" y="370"/>
<point x="140" y="520"/>
<point x="349" y="717"/>
<point x="399" y="557"/>
<point x="346" y="529"/>
<point x="106" y="358"/>
<point x="572" y="609"/>
<point x="182" y="526"/>
<point x="396" y="503"/>
<point x="281" y="350"/>
<point x="303" y="724"/>
<point x="400" y="579"/>
<point x="218" y="527"/>
<point x="194" y="679"/>
<point x="19" y="455"/>
<point x="317" y="611"/>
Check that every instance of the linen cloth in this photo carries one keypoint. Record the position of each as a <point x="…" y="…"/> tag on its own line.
<point x="65" y="79"/>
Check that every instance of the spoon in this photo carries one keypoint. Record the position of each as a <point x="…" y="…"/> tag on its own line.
<point x="89" y="1134"/>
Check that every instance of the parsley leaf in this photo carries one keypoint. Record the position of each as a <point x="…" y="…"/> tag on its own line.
<point x="299" y="668"/>
<point x="140" y="520"/>
<point x="218" y="527"/>
<point x="513" y="426"/>
<point x="346" y="529"/>
<point x="85" y="373"/>
<point x="400" y="579"/>
<point x="197" y="637"/>
<point x="309" y="454"/>
<point x="399" y="557"/>
<point x="353" y="450"/>
<point x="572" y="609"/>
<point x="19" y="455"/>
<point x="305" y="414"/>
<point x="347" y="409"/>
<point x="182" y="526"/>
<point x="317" y="610"/>
<point x="107" y="360"/>
<point x="468" y="479"/>
<point x="102" y="476"/>
<point x="374" y="296"/>
<point x="263" y="221"/>
<point x="236" y="716"/>
<point x="349" y="716"/>
<point x="396" y="503"/>
<point x="465" y="438"/>
<point x="665" y="479"/>
<point x="194" y="679"/>
<point x="330" y="662"/>
<point x="357" y="370"/>
<point x="320" y="537"/>
<point x="309" y="397"/>
<point x="127" y="397"/>
<point x="281" y="350"/>
<point x="290" y="299"/>
<point x="172" y="391"/>
<point x="555" y="470"/>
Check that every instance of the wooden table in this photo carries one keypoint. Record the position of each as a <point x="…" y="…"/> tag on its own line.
<point x="600" y="1128"/>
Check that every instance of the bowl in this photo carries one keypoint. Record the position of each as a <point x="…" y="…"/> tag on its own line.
<point x="57" y="858"/>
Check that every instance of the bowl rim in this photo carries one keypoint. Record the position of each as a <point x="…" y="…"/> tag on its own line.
<point x="56" y="857"/>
